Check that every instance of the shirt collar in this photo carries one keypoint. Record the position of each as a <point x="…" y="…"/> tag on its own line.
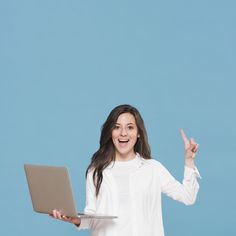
<point x="141" y="162"/>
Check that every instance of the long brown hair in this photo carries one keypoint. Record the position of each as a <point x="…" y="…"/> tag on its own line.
<point x="106" y="152"/>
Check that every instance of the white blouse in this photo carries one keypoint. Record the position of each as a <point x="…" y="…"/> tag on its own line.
<point x="141" y="186"/>
<point x="121" y="172"/>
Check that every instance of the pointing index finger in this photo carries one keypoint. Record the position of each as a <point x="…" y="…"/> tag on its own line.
<point x="183" y="135"/>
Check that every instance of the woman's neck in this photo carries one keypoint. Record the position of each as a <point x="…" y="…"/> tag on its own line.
<point x="125" y="157"/>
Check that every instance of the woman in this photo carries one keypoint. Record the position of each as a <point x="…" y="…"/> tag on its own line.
<point x="123" y="180"/>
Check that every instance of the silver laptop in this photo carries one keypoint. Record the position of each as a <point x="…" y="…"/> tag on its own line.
<point x="50" y="189"/>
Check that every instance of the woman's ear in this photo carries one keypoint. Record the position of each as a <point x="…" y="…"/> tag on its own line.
<point x="138" y="135"/>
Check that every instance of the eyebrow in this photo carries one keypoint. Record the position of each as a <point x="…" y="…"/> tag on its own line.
<point x="126" y="124"/>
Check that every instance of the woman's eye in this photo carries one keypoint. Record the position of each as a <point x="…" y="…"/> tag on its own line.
<point x="130" y="127"/>
<point x="116" y="127"/>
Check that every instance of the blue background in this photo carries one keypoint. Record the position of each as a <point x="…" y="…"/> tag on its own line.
<point x="65" y="64"/>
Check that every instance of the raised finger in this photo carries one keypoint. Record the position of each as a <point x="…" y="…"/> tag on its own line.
<point x="184" y="137"/>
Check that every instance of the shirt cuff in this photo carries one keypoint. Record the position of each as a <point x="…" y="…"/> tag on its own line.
<point x="84" y="223"/>
<point x="188" y="172"/>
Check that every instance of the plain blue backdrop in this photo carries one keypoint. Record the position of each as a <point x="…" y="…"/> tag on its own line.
<point x="65" y="64"/>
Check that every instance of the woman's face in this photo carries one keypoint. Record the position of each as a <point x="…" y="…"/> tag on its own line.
<point x="124" y="136"/>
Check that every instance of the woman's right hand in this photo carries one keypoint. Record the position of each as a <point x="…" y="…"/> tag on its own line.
<point x="59" y="216"/>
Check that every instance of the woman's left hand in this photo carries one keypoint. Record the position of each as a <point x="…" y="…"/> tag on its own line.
<point x="191" y="148"/>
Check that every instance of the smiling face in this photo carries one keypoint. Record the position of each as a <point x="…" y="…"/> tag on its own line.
<point x="124" y="137"/>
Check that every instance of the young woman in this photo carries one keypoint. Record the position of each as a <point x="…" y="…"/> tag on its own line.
<point x="122" y="179"/>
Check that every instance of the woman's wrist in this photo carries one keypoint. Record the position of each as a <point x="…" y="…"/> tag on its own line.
<point x="77" y="222"/>
<point x="190" y="164"/>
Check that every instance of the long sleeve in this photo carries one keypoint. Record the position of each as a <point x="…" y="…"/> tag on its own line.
<point x="90" y="207"/>
<point x="185" y="192"/>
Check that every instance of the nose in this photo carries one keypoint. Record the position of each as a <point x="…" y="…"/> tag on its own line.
<point x="123" y="132"/>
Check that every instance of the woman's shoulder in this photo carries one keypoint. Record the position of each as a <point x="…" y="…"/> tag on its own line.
<point x="152" y="162"/>
<point x="90" y="173"/>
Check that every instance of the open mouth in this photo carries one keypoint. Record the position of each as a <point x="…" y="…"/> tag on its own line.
<point x="123" y="141"/>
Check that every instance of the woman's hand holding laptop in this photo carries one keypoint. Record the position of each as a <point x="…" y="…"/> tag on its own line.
<point x="56" y="214"/>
